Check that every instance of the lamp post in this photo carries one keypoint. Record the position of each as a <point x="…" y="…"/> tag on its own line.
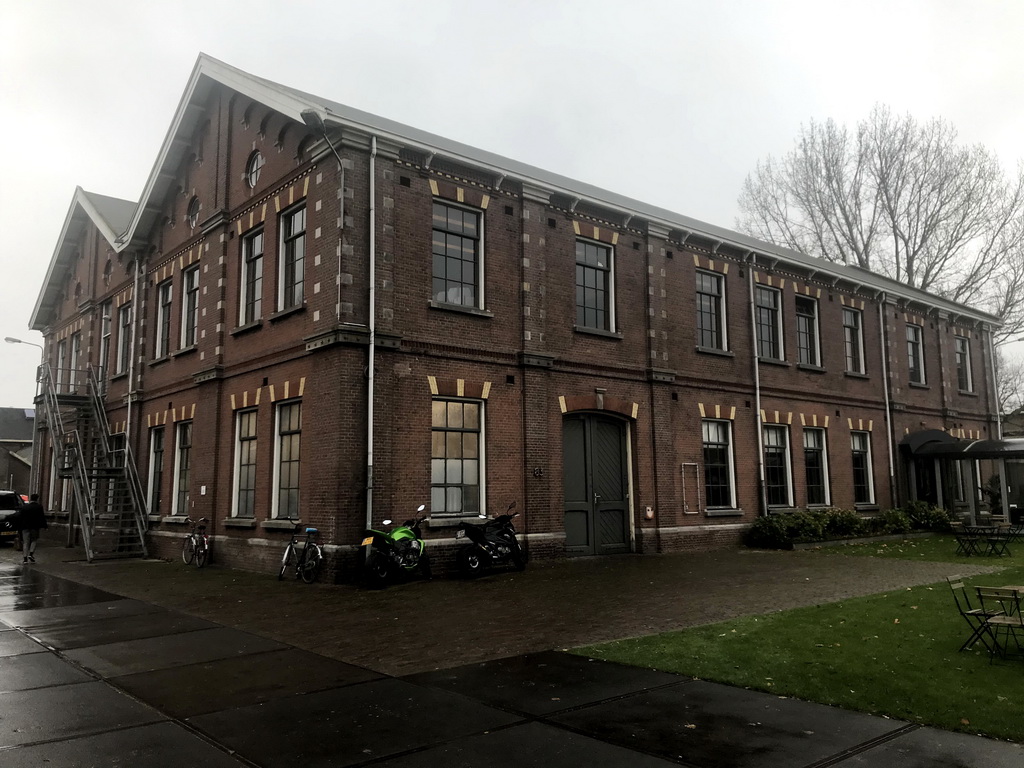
<point x="34" y="474"/>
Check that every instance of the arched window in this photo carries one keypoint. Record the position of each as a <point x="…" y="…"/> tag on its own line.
<point x="192" y="217"/>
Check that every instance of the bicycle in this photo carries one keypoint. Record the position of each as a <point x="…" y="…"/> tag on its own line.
<point x="197" y="543"/>
<point x="308" y="562"/>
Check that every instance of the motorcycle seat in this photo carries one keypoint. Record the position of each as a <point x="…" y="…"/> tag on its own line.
<point x="312" y="530"/>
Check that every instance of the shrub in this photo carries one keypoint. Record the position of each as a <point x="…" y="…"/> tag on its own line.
<point x="808" y="525"/>
<point x="895" y="521"/>
<point x="769" y="532"/>
<point x="844" y="523"/>
<point x="926" y="517"/>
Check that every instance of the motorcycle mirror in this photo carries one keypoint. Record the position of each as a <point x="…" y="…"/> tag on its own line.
<point x="421" y="507"/>
<point x="387" y="522"/>
<point x="512" y="506"/>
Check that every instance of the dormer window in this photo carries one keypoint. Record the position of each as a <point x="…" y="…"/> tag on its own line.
<point x="253" y="168"/>
<point x="192" y="217"/>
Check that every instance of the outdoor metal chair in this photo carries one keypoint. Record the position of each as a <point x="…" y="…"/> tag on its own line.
<point x="998" y="542"/>
<point x="1004" y="621"/>
<point x="975" y="617"/>
<point x="967" y="542"/>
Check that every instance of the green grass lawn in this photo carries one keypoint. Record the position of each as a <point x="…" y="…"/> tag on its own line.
<point x="892" y="654"/>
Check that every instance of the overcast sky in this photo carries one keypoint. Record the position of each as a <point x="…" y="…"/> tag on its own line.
<point x="672" y="103"/>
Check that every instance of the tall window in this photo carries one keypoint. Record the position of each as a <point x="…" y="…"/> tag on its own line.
<point x="964" y="380"/>
<point x="456" y="256"/>
<point x="769" y="323"/>
<point x="106" y="323"/>
<point x="807" y="339"/>
<point x="777" y="470"/>
<point x="594" y="286"/>
<point x="189" y="306"/>
<point x="853" y="339"/>
<point x="710" y="311"/>
<point x="163" y="319"/>
<point x="816" y="466"/>
<point x="863" y="482"/>
<point x="718" y="467"/>
<point x="293" y="257"/>
<point x="124" y="338"/>
<point x="75" y="361"/>
<point x="245" y="464"/>
<point x="182" y="467"/>
<point x="915" y="354"/>
<point x="62" y="363"/>
<point x="286" y="464"/>
<point x="251" y="304"/>
<point x="156" y="469"/>
<point x="456" y="469"/>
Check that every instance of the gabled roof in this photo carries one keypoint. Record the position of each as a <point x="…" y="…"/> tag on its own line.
<point x="108" y="214"/>
<point x="208" y="72"/>
<point x="16" y="424"/>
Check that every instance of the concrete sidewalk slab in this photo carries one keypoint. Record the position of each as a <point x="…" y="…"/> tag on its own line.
<point x="179" y="650"/>
<point x="162" y="745"/>
<point x="542" y="683"/>
<point x="37" y="670"/>
<point x="349" y="726"/>
<point x="719" y="726"/>
<point x="102" y="631"/>
<point x="239" y="682"/>
<point x="76" y="614"/>
<point x="932" y="748"/>
<point x="14" y="643"/>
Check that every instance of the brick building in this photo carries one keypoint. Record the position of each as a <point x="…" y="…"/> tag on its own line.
<point x="297" y="269"/>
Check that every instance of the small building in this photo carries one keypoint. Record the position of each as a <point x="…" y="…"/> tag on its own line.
<point x="16" y="426"/>
<point x="317" y="314"/>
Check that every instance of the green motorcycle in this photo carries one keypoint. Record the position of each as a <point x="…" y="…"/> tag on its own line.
<point x="399" y="551"/>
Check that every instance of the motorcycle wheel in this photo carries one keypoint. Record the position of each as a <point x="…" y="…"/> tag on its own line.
<point x="470" y="561"/>
<point x="377" y="571"/>
<point x="518" y="558"/>
<point x="424" y="566"/>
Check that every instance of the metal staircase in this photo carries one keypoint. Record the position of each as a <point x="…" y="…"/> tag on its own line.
<point x="108" y="497"/>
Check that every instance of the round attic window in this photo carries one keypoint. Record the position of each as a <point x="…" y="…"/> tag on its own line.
<point x="193" y="212"/>
<point x="253" y="168"/>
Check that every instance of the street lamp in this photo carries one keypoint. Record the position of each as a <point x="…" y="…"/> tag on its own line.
<point x="34" y="475"/>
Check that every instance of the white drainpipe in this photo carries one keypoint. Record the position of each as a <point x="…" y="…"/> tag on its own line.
<point x="372" y="327"/>
<point x="888" y="406"/>
<point x="762" y="491"/>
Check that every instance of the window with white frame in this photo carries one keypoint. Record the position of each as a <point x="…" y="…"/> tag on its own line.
<point x="964" y="379"/>
<point x="595" y="300"/>
<point x="863" y="477"/>
<point x="808" y="344"/>
<point x="75" y="361"/>
<point x="124" y="338"/>
<point x="457" y="256"/>
<point x="106" y="330"/>
<point x="251" y="300"/>
<point x="182" y="467"/>
<point x="768" y="321"/>
<point x="816" y="466"/>
<point x="156" y="470"/>
<point x="778" y="475"/>
<point x="293" y="258"/>
<point x="189" y="307"/>
<point x="287" y="460"/>
<point x="456" y="457"/>
<point x="164" y="297"/>
<point x="853" y="340"/>
<point x="915" y="354"/>
<point x="719" y="477"/>
<point x="711" y="327"/>
<point x="62" y="363"/>
<point x="245" y="464"/>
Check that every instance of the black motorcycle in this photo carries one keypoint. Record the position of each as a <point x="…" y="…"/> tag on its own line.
<point x="492" y="543"/>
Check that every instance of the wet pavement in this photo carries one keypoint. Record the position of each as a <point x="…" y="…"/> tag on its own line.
<point x="90" y="677"/>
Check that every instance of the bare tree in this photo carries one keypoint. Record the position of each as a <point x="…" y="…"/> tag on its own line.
<point x="902" y="199"/>
<point x="1009" y="383"/>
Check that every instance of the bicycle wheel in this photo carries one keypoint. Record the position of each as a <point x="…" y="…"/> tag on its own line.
<point x="202" y="552"/>
<point x="286" y="560"/>
<point x="311" y="566"/>
<point x="188" y="551"/>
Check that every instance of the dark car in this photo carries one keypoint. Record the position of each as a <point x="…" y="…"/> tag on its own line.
<point x="10" y="508"/>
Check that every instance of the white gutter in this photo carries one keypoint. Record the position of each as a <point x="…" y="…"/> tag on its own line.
<point x="995" y="388"/>
<point x="134" y="353"/>
<point x="888" y="407"/>
<point x="372" y="326"/>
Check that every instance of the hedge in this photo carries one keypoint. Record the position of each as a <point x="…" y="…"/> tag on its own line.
<point x="782" y="530"/>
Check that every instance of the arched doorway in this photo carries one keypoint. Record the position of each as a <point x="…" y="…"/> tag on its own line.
<point x="596" y="482"/>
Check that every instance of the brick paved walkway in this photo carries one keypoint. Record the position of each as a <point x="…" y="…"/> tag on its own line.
<point x="422" y="626"/>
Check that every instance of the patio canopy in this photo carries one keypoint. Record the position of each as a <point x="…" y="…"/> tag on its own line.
<point x="938" y="444"/>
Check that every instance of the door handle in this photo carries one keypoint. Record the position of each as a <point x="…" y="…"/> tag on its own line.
<point x="597" y="499"/>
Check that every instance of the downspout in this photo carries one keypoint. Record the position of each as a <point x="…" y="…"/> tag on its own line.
<point x="888" y="405"/>
<point x="995" y="389"/>
<point x="762" y="492"/>
<point x="372" y="328"/>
